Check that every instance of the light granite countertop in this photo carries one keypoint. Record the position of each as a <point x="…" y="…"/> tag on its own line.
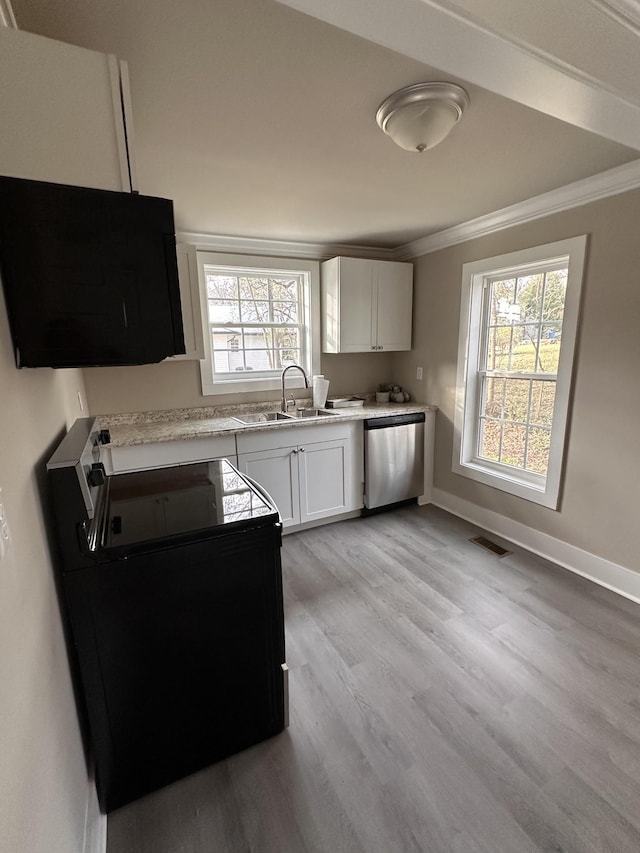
<point x="181" y="424"/>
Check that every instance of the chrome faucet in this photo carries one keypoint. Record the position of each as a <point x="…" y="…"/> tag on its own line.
<point x="283" y="404"/>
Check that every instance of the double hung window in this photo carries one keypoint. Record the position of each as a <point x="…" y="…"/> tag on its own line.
<point x="259" y="318"/>
<point x="517" y="333"/>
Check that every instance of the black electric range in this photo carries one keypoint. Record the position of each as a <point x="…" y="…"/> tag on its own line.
<point x="171" y="584"/>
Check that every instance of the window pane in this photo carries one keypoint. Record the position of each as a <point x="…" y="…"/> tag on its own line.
<point x="254" y="348"/>
<point x="524" y="315"/>
<point x="530" y="293"/>
<point x="550" y="348"/>
<point x="502" y="297"/>
<point x="513" y="444"/>
<point x="525" y="356"/>
<point x="499" y="345"/>
<point x="228" y="361"/>
<point x="254" y="287"/>
<point x="489" y="443"/>
<point x="284" y="289"/>
<point x="516" y="399"/>
<point x="554" y="296"/>
<point x="255" y="312"/>
<point x="509" y="408"/>
<point x="222" y="286"/>
<point x="543" y="397"/>
<point x="260" y="359"/>
<point x="538" y="450"/>
<point x="285" y="312"/>
<point x="286" y="337"/>
<point x="493" y="397"/>
<point x="223" y="311"/>
<point x="224" y="338"/>
<point x="271" y="359"/>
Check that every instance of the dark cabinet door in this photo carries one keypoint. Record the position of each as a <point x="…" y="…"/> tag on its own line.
<point x="90" y="276"/>
<point x="180" y="656"/>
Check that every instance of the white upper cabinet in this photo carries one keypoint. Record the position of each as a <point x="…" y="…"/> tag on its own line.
<point x="63" y="114"/>
<point x="366" y="305"/>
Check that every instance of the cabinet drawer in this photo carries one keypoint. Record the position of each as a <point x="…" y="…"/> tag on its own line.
<point x="141" y="456"/>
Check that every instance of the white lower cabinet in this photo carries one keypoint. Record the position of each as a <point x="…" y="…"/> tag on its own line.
<point x="277" y="472"/>
<point x="308" y="480"/>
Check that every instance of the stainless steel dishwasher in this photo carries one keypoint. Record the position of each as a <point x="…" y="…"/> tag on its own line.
<point x="393" y="459"/>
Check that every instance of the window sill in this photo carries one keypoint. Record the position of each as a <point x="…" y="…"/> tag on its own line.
<point x="245" y="386"/>
<point x="543" y="493"/>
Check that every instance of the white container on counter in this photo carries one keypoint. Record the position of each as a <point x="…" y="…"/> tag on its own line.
<point x="320" y="387"/>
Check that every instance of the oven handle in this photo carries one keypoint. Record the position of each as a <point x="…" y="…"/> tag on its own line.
<point x="91" y="536"/>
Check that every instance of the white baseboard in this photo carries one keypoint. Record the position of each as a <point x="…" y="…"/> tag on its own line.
<point x="95" y="823"/>
<point x="610" y="575"/>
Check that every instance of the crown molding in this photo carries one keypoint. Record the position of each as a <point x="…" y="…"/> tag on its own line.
<point x="441" y="35"/>
<point x="280" y="248"/>
<point x="612" y="182"/>
<point x="603" y="185"/>
<point x="7" y="18"/>
<point x="624" y="12"/>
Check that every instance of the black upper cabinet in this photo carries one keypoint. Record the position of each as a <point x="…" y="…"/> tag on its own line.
<point x="90" y="276"/>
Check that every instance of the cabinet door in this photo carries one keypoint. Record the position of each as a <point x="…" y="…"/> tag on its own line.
<point x="394" y="305"/>
<point x="324" y="481"/>
<point x="277" y="472"/>
<point x="90" y="276"/>
<point x="61" y="110"/>
<point x="356" y="332"/>
<point x="190" y="302"/>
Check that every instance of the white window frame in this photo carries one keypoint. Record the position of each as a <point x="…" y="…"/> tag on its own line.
<point x="540" y="489"/>
<point x="311" y="320"/>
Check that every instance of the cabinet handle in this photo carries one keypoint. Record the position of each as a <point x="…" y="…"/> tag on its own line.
<point x="302" y="450"/>
<point x="294" y="450"/>
<point x="380" y="347"/>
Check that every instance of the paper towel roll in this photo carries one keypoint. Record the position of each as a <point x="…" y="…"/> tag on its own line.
<point x="320" y="387"/>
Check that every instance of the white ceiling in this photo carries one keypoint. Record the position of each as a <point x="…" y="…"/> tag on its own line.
<point x="259" y="121"/>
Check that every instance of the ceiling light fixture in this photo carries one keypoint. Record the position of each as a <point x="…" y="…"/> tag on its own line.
<point x="420" y="116"/>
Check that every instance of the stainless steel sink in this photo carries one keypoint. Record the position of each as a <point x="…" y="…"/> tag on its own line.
<point x="261" y="418"/>
<point x="311" y="413"/>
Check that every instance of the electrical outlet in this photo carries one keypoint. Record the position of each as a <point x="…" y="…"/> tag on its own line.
<point x="419" y="373"/>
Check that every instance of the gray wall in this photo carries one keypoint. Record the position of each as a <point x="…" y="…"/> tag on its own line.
<point x="176" y="385"/>
<point x="600" y="502"/>
<point x="43" y="778"/>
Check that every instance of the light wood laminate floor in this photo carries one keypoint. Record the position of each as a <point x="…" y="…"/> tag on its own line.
<point x="442" y="700"/>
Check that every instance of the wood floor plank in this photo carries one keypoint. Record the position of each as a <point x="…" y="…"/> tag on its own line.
<point x="442" y="701"/>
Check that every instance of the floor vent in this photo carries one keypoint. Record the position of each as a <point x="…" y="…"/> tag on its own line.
<point x="488" y="545"/>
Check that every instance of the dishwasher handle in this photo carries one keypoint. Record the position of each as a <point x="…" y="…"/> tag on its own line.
<point x="394" y="420"/>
